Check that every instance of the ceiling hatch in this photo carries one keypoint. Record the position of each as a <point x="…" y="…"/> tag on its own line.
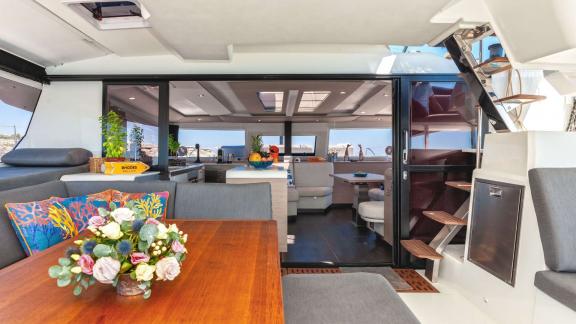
<point x="107" y="14"/>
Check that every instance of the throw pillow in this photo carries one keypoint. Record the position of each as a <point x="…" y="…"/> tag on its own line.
<point x="153" y="204"/>
<point x="39" y="225"/>
<point x="81" y="208"/>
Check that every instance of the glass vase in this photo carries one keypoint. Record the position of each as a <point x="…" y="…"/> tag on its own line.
<point x="127" y="286"/>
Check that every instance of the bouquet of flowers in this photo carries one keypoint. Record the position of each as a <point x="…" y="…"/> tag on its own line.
<point x="127" y="250"/>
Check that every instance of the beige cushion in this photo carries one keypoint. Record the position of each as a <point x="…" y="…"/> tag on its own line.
<point x="293" y="194"/>
<point x="376" y="194"/>
<point x="313" y="174"/>
<point x="372" y="211"/>
<point x="314" y="191"/>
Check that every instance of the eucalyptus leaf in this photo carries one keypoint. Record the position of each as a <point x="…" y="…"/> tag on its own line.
<point x="78" y="277"/>
<point x="102" y="250"/>
<point x="125" y="226"/>
<point x="63" y="282"/>
<point x="143" y="246"/>
<point x="84" y="283"/>
<point x="54" y="271"/>
<point x="91" y="281"/>
<point x="148" y="232"/>
<point x="64" y="261"/>
<point x="103" y="212"/>
<point x="147" y="294"/>
<point x="77" y="290"/>
<point x="115" y="281"/>
<point x="142" y="286"/>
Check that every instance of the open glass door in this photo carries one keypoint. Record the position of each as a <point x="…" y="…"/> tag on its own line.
<point x="439" y="135"/>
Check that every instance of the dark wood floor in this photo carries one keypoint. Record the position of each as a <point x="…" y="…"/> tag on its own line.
<point x="332" y="237"/>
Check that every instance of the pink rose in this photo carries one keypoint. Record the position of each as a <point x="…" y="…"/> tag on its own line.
<point x="139" y="257"/>
<point x="96" y="221"/>
<point x="152" y="221"/>
<point x="106" y="269"/>
<point x="86" y="263"/>
<point x="178" y="247"/>
<point x="167" y="268"/>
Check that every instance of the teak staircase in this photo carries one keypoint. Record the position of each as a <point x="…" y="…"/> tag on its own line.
<point x="452" y="225"/>
<point x="503" y="113"/>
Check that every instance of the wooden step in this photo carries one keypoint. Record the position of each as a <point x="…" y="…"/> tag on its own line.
<point x="420" y="249"/>
<point x="462" y="185"/>
<point x="494" y="65"/>
<point x="520" y="99"/>
<point x="443" y="217"/>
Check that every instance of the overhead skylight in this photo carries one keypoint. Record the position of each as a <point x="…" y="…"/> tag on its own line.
<point x="311" y="100"/>
<point x="109" y="14"/>
<point x="271" y="100"/>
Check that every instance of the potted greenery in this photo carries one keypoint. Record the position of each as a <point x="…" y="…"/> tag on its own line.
<point x="113" y="136"/>
<point x="173" y="145"/>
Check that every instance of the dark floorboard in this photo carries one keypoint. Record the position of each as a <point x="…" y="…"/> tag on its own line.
<point x="332" y="237"/>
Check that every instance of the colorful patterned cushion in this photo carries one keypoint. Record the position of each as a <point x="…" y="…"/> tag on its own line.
<point x="39" y="225"/>
<point x="81" y="208"/>
<point x="152" y="204"/>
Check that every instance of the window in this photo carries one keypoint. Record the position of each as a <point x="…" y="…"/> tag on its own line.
<point x="106" y="15"/>
<point x="17" y="103"/>
<point x="115" y="9"/>
<point x="231" y="141"/>
<point x="271" y="100"/>
<point x="303" y="145"/>
<point x="311" y="100"/>
<point x="273" y="140"/>
<point x="374" y="141"/>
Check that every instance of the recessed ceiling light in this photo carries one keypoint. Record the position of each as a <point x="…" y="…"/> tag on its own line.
<point x="201" y="95"/>
<point x="342" y="92"/>
<point x="379" y="118"/>
<point x="386" y="95"/>
<point x="363" y="112"/>
<point x="317" y="120"/>
<point x="132" y="98"/>
<point x="199" y="119"/>
<point x="259" y="120"/>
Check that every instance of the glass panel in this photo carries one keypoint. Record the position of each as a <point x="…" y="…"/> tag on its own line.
<point x="311" y="100"/>
<point x="443" y="124"/>
<point x="17" y="103"/>
<point x="376" y="142"/>
<point x="303" y="144"/>
<point x="271" y="100"/>
<point x="273" y="140"/>
<point x="230" y="141"/>
<point x="138" y="106"/>
<point x="428" y="191"/>
<point x="114" y="9"/>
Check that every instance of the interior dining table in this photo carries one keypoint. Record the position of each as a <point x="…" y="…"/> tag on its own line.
<point x="230" y="275"/>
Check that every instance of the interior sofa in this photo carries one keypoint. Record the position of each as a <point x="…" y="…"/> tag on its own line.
<point x="553" y="193"/>
<point x="27" y="167"/>
<point x="186" y="201"/>
<point x="314" y="183"/>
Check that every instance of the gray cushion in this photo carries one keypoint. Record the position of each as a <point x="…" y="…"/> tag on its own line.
<point x="558" y="285"/>
<point x="554" y="197"/>
<point x="10" y="248"/>
<point x="313" y="174"/>
<point x="47" y="157"/>
<point x="314" y="191"/>
<point x="360" y="298"/>
<point x="223" y="201"/>
<point x="12" y="177"/>
<point x="79" y="188"/>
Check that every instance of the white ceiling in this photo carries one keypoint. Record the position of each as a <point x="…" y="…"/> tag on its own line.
<point x="49" y="33"/>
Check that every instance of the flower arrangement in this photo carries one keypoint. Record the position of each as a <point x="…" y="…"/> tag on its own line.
<point x="125" y="246"/>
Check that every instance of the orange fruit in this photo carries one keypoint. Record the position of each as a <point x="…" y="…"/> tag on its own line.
<point x="255" y="157"/>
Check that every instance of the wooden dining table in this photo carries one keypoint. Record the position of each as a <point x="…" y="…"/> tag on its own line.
<point x="231" y="275"/>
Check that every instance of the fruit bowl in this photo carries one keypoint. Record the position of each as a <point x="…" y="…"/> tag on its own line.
<point x="260" y="164"/>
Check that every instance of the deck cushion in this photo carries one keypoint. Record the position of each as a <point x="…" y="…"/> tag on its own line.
<point x="223" y="201"/>
<point x="36" y="157"/>
<point x="153" y="204"/>
<point x="10" y="248"/>
<point x="12" y="177"/>
<point x="558" y="285"/>
<point x="553" y="194"/>
<point x="360" y="298"/>
<point x="78" y="188"/>
<point x="372" y="210"/>
<point x="314" y="191"/>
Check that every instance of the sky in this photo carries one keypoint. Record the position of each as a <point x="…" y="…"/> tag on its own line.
<point x="12" y="116"/>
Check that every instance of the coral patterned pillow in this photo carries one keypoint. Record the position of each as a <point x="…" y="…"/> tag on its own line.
<point x="39" y="225"/>
<point x="81" y="208"/>
<point x="153" y="204"/>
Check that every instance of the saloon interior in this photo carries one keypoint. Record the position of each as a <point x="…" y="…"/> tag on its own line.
<point x="420" y="154"/>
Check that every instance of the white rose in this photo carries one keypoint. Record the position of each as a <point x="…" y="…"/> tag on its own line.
<point x="167" y="268"/>
<point x="145" y="272"/>
<point x="123" y="215"/>
<point x="112" y="230"/>
<point x="106" y="269"/>
<point x="173" y="228"/>
<point x="162" y="232"/>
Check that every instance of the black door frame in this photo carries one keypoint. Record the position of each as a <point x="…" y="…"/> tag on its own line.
<point x="400" y="124"/>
